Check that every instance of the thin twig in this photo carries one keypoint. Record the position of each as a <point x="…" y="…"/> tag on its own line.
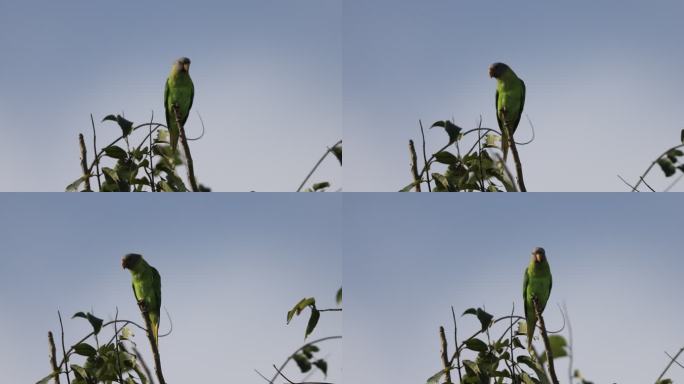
<point x="646" y="184"/>
<point x="479" y="155"/>
<point x="152" y="186"/>
<point x="311" y="172"/>
<point x="84" y="163"/>
<point x="677" y="180"/>
<point x="279" y="372"/>
<point x="633" y="187"/>
<point x="570" y="354"/>
<point x="97" y="160"/>
<point x="672" y="360"/>
<point x="53" y="357"/>
<point x="426" y="167"/>
<point x="66" y="357"/>
<point x="443" y="354"/>
<point x="186" y="149"/>
<point x="153" y="342"/>
<point x="547" y="344"/>
<point x="510" y="344"/>
<point x="458" y="353"/>
<point x="116" y="347"/>
<point x="675" y="360"/>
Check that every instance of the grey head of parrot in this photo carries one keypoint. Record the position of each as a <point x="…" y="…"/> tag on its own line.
<point x="498" y="69"/>
<point x="183" y="64"/>
<point x="539" y="254"/>
<point x="129" y="261"/>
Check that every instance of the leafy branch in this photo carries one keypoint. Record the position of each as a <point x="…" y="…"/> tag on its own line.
<point x="476" y="169"/>
<point x="336" y="150"/>
<point x="304" y="356"/>
<point x="669" y="162"/>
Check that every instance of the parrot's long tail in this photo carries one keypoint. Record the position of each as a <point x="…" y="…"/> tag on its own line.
<point x="531" y="323"/>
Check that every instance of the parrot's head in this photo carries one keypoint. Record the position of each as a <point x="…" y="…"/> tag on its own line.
<point x="182" y="64"/>
<point x="130" y="261"/>
<point x="539" y="255"/>
<point x="496" y="70"/>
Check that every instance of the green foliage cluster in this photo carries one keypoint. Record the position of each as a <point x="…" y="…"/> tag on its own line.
<point x="475" y="169"/>
<point x="111" y="362"/>
<point x="671" y="161"/>
<point x="304" y="356"/>
<point x="482" y="358"/>
<point x="150" y="165"/>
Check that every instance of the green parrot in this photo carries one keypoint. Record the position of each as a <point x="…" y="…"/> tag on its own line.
<point x="146" y="287"/>
<point x="536" y="283"/>
<point x="180" y="91"/>
<point x="510" y="101"/>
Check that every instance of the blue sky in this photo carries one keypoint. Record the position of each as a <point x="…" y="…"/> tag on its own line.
<point x="602" y="79"/>
<point x="267" y="77"/>
<point x="231" y="269"/>
<point x="616" y="264"/>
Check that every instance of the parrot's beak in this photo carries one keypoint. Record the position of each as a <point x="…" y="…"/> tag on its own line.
<point x="186" y="67"/>
<point x="491" y="72"/>
<point x="123" y="264"/>
<point x="538" y="257"/>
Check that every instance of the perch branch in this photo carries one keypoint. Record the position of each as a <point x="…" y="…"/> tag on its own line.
<point x="84" y="163"/>
<point x="444" y="352"/>
<point x="53" y="356"/>
<point x="153" y="343"/>
<point x="66" y="357"/>
<point x="186" y="149"/>
<point x="641" y="178"/>
<point x="516" y="159"/>
<point x="547" y="344"/>
<point x="414" y="165"/>
<point x="458" y="353"/>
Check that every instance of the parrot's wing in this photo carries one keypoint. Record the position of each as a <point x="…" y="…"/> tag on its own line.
<point x="525" y="281"/>
<point x="156" y="283"/>
<point x="167" y="107"/>
<point x="192" y="98"/>
<point x="137" y="299"/>
<point x="496" y="106"/>
<point x="522" y="105"/>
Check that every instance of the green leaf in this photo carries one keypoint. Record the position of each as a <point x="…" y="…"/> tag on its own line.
<point x="322" y="365"/>
<point x="95" y="322"/>
<point x="115" y="152"/>
<point x="667" y="166"/>
<point x="337" y="151"/>
<point x="558" y="346"/>
<point x="338" y="296"/>
<point x="300" y="306"/>
<point x="302" y="362"/>
<point x="451" y="129"/>
<point x="313" y="320"/>
<point x="319" y="186"/>
<point x="79" y="371"/>
<point x="73" y="187"/>
<point x="85" y="349"/>
<point x="664" y="381"/>
<point x="446" y="157"/>
<point x="484" y="317"/>
<point x="434" y="379"/>
<point x="538" y="370"/>
<point x="125" y="125"/>
<point x="476" y="345"/>
<point x="441" y="181"/>
<point x="47" y="378"/>
<point x="409" y="187"/>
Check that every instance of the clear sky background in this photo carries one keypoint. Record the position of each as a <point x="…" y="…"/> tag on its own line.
<point x="603" y="85"/>
<point x="616" y="264"/>
<point x="230" y="268"/>
<point x="267" y="74"/>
